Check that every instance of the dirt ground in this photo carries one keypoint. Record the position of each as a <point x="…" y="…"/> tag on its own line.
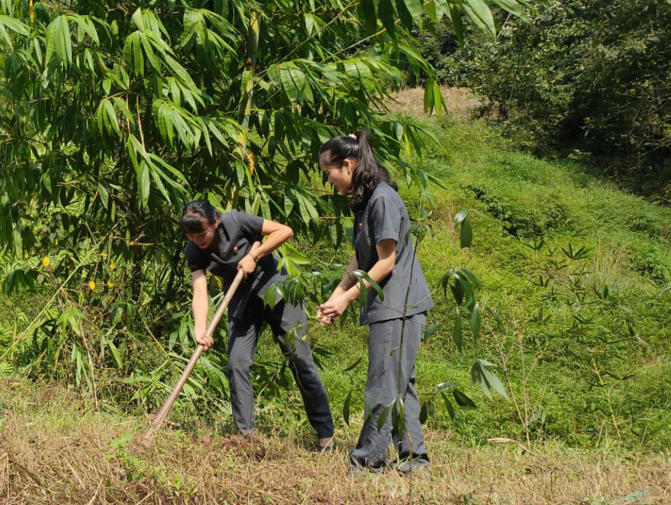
<point x="460" y="101"/>
<point x="55" y="449"/>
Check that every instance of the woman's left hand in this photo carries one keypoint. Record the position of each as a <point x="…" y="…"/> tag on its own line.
<point x="247" y="265"/>
<point x="335" y="307"/>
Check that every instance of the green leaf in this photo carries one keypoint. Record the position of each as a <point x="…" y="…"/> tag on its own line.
<point x="387" y="13"/>
<point x="429" y="331"/>
<point x="462" y="400"/>
<point x="112" y="120"/>
<point x="448" y="405"/>
<point x="481" y="15"/>
<point x="481" y="373"/>
<point x="383" y="416"/>
<point x="438" y="100"/>
<point x="368" y="7"/>
<point x="424" y="412"/>
<point x="345" y="407"/>
<point x="511" y="6"/>
<point x="457" y="332"/>
<point x="104" y="195"/>
<point x="498" y="320"/>
<point x="192" y="18"/>
<point x="457" y="22"/>
<point x="458" y="288"/>
<point x="360" y="275"/>
<point x="115" y="353"/>
<point x="144" y="184"/>
<point x="100" y="115"/>
<point x="59" y="40"/>
<point x="466" y="234"/>
<point x="138" y="20"/>
<point x="8" y="22"/>
<point x="353" y="365"/>
<point x="289" y="83"/>
<point x="415" y="9"/>
<point x="180" y="72"/>
<point x="398" y="417"/>
<point x="428" y="97"/>
<point x="472" y="279"/>
<point x="156" y="176"/>
<point x="476" y="321"/>
<point x="270" y="296"/>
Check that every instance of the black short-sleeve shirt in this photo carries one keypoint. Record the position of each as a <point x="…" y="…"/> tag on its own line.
<point x="386" y="217"/>
<point x="235" y="235"/>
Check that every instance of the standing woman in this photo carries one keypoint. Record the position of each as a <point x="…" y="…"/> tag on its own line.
<point x="221" y="243"/>
<point x="384" y="249"/>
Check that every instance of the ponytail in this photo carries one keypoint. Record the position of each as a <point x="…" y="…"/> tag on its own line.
<point x="369" y="172"/>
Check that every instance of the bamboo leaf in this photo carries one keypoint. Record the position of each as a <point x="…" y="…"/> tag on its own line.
<point x="415" y="9"/>
<point x="383" y="417"/>
<point x="462" y="400"/>
<point x="112" y="120"/>
<point x="481" y="15"/>
<point x="466" y="234"/>
<point x="476" y="321"/>
<point x="448" y="405"/>
<point x="115" y="352"/>
<point x="144" y="184"/>
<point x="457" y="332"/>
<point x="59" y="40"/>
<point x="345" y="408"/>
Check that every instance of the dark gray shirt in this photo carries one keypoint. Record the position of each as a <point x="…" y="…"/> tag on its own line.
<point x="386" y="217"/>
<point x="235" y="235"/>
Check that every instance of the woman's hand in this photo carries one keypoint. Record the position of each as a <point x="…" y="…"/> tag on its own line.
<point x="247" y="265"/>
<point x="323" y="320"/>
<point x="334" y="307"/>
<point x="205" y="340"/>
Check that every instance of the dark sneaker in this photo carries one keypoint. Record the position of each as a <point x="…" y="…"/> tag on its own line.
<point x="330" y="446"/>
<point x="416" y="466"/>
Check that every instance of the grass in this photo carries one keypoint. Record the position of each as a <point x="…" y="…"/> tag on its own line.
<point x="588" y="373"/>
<point x="604" y="382"/>
<point x="55" y="449"/>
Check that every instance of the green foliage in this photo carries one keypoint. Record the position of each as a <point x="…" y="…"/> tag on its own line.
<point x="589" y="76"/>
<point x="578" y="331"/>
<point x="113" y="115"/>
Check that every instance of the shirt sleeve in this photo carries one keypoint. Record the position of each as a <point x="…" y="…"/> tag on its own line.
<point x="385" y="220"/>
<point x="194" y="258"/>
<point x="251" y="226"/>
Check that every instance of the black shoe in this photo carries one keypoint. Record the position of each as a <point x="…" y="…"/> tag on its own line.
<point x="416" y="466"/>
<point x="330" y="446"/>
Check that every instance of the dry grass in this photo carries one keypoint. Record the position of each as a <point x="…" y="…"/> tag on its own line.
<point x="460" y="101"/>
<point x="54" y="450"/>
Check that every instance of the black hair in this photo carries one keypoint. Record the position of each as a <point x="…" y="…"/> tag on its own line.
<point x="193" y="215"/>
<point x="369" y="172"/>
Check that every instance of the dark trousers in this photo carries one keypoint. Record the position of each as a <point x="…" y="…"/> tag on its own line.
<point x="386" y="377"/>
<point x="242" y="342"/>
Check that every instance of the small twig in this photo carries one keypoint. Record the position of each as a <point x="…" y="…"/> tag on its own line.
<point x="75" y="474"/>
<point x="143" y="499"/>
<point x="96" y="493"/>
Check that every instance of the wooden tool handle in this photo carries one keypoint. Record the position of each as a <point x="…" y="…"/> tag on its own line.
<point x="160" y="418"/>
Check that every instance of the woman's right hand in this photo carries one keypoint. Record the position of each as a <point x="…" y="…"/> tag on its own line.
<point x="205" y="340"/>
<point x="323" y="320"/>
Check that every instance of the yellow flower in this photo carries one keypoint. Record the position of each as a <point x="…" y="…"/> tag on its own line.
<point x="92" y="285"/>
<point x="250" y="162"/>
<point x="31" y="11"/>
<point x="46" y="262"/>
<point x="110" y="284"/>
<point x="112" y="266"/>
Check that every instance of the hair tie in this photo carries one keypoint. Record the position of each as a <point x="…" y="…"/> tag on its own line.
<point x="353" y="136"/>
